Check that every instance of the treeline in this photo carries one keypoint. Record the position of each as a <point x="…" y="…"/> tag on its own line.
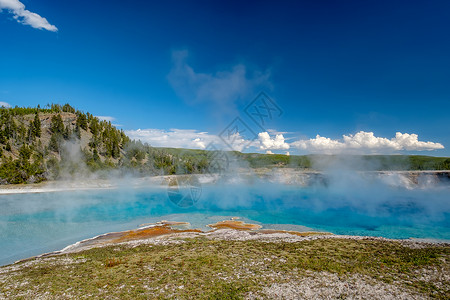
<point x="320" y="162"/>
<point x="354" y="162"/>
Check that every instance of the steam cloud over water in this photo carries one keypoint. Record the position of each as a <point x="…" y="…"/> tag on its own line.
<point x="344" y="197"/>
<point x="338" y="199"/>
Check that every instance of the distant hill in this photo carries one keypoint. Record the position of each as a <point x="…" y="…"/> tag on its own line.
<point x="60" y="142"/>
<point x="352" y="162"/>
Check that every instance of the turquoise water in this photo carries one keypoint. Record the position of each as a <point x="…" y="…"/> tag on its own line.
<point x="31" y="224"/>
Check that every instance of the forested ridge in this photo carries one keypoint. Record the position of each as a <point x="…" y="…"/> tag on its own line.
<point x="61" y="142"/>
<point x="57" y="142"/>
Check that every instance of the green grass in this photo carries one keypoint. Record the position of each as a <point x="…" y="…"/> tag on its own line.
<point x="206" y="269"/>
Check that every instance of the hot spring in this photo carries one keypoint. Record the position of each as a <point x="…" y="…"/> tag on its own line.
<point x="35" y="223"/>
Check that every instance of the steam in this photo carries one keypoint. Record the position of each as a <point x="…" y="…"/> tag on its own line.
<point x="72" y="170"/>
<point x="72" y="164"/>
<point x="342" y="198"/>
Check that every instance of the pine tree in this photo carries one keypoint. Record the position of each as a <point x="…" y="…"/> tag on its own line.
<point x="3" y="137"/>
<point x="55" y="141"/>
<point x="94" y="126"/>
<point x="115" y="148"/>
<point x="66" y="134"/>
<point x="57" y="124"/>
<point x="67" y="108"/>
<point x="22" y="133"/>
<point x="82" y="121"/>
<point x="25" y="152"/>
<point x="37" y="125"/>
<point x="95" y="156"/>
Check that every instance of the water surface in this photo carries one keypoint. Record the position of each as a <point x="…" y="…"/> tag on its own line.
<point x="31" y="224"/>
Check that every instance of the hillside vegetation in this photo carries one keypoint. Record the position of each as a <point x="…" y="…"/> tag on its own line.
<point x="58" y="142"/>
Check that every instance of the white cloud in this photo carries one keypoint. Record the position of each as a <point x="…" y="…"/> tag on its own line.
<point x="173" y="138"/>
<point x="269" y="152"/>
<point x="4" y="104"/>
<point x="221" y="89"/>
<point x="106" y="118"/>
<point x="318" y="144"/>
<point x="267" y="143"/>
<point x="411" y="142"/>
<point x="26" y="17"/>
<point x="366" y="142"/>
<point x="275" y="132"/>
<point x="199" y="143"/>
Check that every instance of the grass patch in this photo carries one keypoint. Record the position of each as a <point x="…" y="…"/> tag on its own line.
<point x="207" y="269"/>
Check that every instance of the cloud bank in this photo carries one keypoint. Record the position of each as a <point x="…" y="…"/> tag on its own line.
<point x="26" y="17"/>
<point x="221" y="89"/>
<point x="361" y="142"/>
<point x="193" y="139"/>
<point x="366" y="142"/>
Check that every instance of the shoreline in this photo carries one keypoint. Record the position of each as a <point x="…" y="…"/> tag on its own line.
<point x="96" y="184"/>
<point x="228" y="232"/>
<point x="156" y="182"/>
<point x="163" y="180"/>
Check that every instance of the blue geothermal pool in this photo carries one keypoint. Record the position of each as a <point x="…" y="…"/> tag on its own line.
<point x="34" y="223"/>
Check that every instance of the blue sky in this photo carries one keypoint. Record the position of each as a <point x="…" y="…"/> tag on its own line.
<point x="181" y="71"/>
